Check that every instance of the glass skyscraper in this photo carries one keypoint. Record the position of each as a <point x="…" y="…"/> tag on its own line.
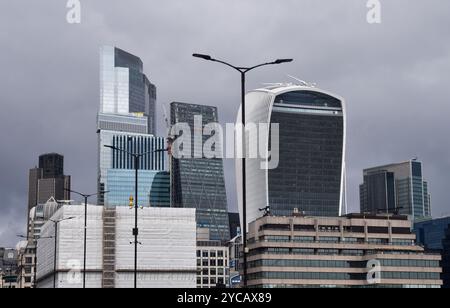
<point x="126" y="120"/>
<point x="125" y="90"/>
<point x="199" y="182"/>
<point x="310" y="173"/>
<point x="398" y="187"/>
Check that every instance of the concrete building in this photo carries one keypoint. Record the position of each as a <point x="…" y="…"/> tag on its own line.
<point x="166" y="254"/>
<point x="212" y="261"/>
<point x="396" y="187"/>
<point x="355" y="251"/>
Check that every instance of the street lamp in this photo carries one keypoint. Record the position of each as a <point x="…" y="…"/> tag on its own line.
<point x="86" y="197"/>
<point x="56" y="222"/>
<point x="136" y="157"/>
<point x="35" y="240"/>
<point x="243" y="71"/>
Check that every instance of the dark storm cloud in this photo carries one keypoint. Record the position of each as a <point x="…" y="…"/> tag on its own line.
<point x="394" y="77"/>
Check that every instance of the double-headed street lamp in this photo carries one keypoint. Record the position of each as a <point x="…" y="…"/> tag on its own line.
<point x="243" y="71"/>
<point x="86" y="197"/>
<point x="136" y="157"/>
<point x="56" y="222"/>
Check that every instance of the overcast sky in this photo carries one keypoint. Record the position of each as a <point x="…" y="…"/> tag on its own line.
<point x="394" y="76"/>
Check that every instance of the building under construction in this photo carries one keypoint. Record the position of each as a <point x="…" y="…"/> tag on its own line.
<point x="166" y="252"/>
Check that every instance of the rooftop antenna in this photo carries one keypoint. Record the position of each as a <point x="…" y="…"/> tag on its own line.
<point x="302" y="82"/>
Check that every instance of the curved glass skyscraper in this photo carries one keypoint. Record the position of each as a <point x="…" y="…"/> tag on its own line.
<point x="310" y="175"/>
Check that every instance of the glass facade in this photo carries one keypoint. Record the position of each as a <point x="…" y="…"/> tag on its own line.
<point x="199" y="182"/>
<point x="309" y="174"/>
<point x="113" y="159"/>
<point x="401" y="186"/>
<point x="430" y="233"/>
<point x="153" y="188"/>
<point x="124" y="88"/>
<point x="378" y="192"/>
<point x="127" y="111"/>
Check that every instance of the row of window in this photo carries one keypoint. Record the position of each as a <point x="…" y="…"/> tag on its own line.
<point x="342" y="252"/>
<point x="205" y="281"/>
<point x="334" y="240"/>
<point x="343" y="264"/>
<point x="341" y="276"/>
<point x="211" y="254"/>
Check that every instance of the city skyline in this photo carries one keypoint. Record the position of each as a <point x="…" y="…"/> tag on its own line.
<point x="385" y="87"/>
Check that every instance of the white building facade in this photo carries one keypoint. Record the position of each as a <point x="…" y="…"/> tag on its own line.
<point x="166" y="253"/>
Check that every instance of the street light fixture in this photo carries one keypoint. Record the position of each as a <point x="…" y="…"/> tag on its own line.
<point x="136" y="157"/>
<point x="243" y="71"/>
<point x="86" y="197"/>
<point x="56" y="222"/>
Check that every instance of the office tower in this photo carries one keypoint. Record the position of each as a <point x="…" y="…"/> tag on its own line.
<point x="434" y="235"/>
<point x="126" y="119"/>
<point x="47" y="181"/>
<point x="310" y="172"/>
<point x="199" y="182"/>
<point x="212" y="261"/>
<point x="167" y="254"/>
<point x="342" y="252"/>
<point x="117" y="174"/>
<point x="396" y="187"/>
<point x="127" y="97"/>
<point x="52" y="165"/>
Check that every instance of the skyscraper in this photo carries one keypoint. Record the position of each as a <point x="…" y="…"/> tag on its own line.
<point x="127" y="97"/>
<point x="310" y="175"/>
<point x="48" y="180"/>
<point x="394" y="187"/>
<point x="126" y="119"/>
<point x="199" y="182"/>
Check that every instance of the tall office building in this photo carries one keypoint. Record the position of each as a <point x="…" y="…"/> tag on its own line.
<point x="126" y="119"/>
<point x="310" y="174"/>
<point x="48" y="180"/>
<point x="396" y="187"/>
<point x="434" y="235"/>
<point x="127" y="97"/>
<point x="199" y="182"/>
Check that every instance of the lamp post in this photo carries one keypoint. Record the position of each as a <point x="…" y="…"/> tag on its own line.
<point x="56" y="222"/>
<point x="86" y="197"/>
<point x="136" y="157"/>
<point x="243" y="71"/>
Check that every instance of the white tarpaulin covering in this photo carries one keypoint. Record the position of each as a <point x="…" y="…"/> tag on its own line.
<point x="166" y="255"/>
